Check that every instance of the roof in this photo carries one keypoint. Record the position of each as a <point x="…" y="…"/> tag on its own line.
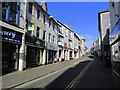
<point x="105" y="11"/>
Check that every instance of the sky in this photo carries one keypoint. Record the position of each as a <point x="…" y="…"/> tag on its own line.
<point x="82" y="16"/>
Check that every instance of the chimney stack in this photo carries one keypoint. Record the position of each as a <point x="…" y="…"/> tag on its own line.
<point x="71" y="27"/>
<point x="43" y="4"/>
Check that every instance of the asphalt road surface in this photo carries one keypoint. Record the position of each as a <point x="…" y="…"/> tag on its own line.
<point x="64" y="78"/>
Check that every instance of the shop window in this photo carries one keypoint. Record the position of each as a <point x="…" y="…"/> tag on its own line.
<point x="30" y="7"/>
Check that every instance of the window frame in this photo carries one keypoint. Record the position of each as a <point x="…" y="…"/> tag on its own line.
<point x="44" y="32"/>
<point x="38" y="14"/>
<point x="53" y="39"/>
<point x="49" y="38"/>
<point x="38" y="32"/>
<point x="30" y="7"/>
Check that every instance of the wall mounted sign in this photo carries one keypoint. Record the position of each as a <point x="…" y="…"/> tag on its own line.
<point x="10" y="35"/>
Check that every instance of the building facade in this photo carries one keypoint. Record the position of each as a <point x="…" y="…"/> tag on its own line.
<point x="96" y="47"/>
<point x="104" y="27"/>
<point x="31" y="37"/>
<point x="115" y="38"/>
<point x="11" y="36"/>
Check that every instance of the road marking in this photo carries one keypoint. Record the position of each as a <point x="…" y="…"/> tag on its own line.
<point x="40" y="78"/>
<point x="79" y="76"/>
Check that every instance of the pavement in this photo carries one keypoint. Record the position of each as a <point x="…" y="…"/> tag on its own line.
<point x="14" y="79"/>
<point x="97" y="76"/>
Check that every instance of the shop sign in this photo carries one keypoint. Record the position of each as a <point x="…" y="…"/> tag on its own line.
<point x="52" y="47"/>
<point x="75" y="50"/>
<point x="31" y="27"/>
<point x="10" y="35"/>
<point x="34" y="41"/>
<point x="38" y="42"/>
<point x="65" y="44"/>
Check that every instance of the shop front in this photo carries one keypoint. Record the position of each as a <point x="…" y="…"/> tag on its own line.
<point x="60" y="54"/>
<point x="51" y="52"/>
<point x="11" y="42"/>
<point x="75" y="53"/>
<point x="66" y="56"/>
<point x="35" y="47"/>
<point x="71" y="55"/>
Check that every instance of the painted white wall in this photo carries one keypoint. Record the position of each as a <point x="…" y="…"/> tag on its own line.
<point x="105" y="23"/>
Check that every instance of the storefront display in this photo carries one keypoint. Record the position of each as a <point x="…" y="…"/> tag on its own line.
<point x="52" y="50"/>
<point x="34" y="46"/>
<point x="11" y="41"/>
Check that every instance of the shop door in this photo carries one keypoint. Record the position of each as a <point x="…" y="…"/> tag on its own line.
<point x="31" y="57"/>
<point x="37" y="56"/>
<point x="59" y="53"/>
<point x="50" y="55"/>
<point x="9" y="57"/>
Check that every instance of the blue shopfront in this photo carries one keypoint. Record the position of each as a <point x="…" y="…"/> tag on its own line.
<point x="11" y="42"/>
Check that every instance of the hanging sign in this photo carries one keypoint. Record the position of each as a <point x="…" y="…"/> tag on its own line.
<point x="31" y="27"/>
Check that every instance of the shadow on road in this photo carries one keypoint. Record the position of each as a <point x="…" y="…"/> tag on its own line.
<point x="91" y="57"/>
<point x="63" y="80"/>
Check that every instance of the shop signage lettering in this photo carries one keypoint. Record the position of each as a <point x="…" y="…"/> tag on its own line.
<point x="52" y="47"/>
<point x="10" y="35"/>
<point x="38" y="42"/>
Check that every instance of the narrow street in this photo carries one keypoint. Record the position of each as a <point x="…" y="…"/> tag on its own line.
<point x="16" y="79"/>
<point x="67" y="45"/>
<point x="59" y="79"/>
<point x="90" y="73"/>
